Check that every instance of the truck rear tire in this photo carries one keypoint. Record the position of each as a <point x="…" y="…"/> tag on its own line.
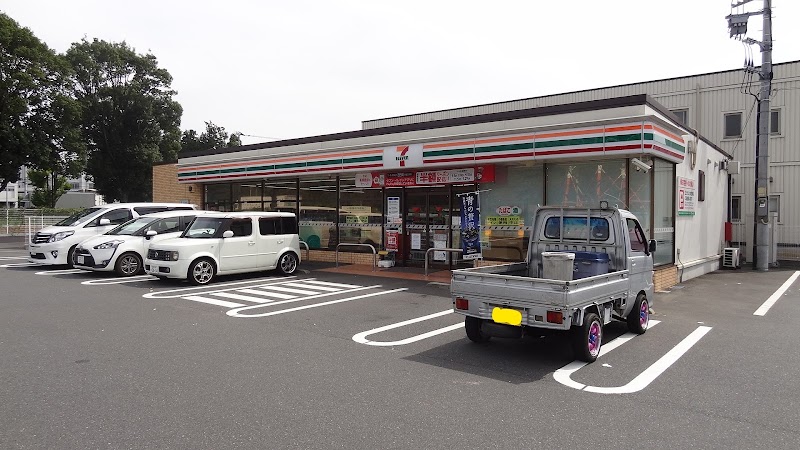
<point x="473" y="327"/>
<point x="639" y="317"/>
<point x="587" y="338"/>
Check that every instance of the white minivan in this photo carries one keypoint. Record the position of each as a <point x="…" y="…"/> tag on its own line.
<point x="56" y="244"/>
<point x="226" y="243"/>
<point x="123" y="249"/>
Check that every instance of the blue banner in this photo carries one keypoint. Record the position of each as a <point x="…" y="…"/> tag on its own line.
<point x="470" y="226"/>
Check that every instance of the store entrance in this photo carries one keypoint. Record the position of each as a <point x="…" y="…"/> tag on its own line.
<point x="431" y="220"/>
<point x="427" y="220"/>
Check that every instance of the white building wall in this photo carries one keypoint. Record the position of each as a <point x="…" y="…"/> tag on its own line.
<point x="699" y="239"/>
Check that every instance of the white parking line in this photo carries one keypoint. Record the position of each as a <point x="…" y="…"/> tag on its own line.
<point x="641" y="381"/>
<point x="327" y="283"/>
<point x="13" y="257"/>
<point x="320" y="288"/>
<point x="246" y="298"/>
<point x="762" y="310"/>
<point x="235" y="312"/>
<point x="28" y="264"/>
<point x="204" y="289"/>
<point x="60" y="272"/>
<point x="361" y="338"/>
<point x="119" y="280"/>
<point x="212" y="301"/>
<point x="657" y="368"/>
<point x="267" y="294"/>
<point x="292" y="291"/>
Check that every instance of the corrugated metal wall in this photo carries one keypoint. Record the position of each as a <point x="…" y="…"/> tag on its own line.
<point x="707" y="98"/>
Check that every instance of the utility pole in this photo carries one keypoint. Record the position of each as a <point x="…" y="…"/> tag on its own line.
<point x="737" y="23"/>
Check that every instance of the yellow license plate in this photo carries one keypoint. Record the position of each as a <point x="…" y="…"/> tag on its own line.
<point x="507" y="316"/>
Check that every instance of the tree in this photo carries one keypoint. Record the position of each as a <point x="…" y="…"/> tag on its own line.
<point x="49" y="187"/>
<point x="34" y="99"/>
<point x="214" y="137"/>
<point x="130" y="119"/>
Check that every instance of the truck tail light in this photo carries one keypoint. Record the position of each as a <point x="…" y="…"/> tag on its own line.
<point x="555" y="317"/>
<point x="462" y="303"/>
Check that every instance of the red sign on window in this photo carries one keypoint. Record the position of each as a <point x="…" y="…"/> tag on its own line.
<point x="391" y="240"/>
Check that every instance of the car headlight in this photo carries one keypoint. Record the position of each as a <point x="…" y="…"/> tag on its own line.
<point x="109" y="244"/>
<point x="172" y="256"/>
<point x="60" y="235"/>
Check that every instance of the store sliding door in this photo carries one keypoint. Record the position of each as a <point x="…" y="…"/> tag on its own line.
<point x="427" y="225"/>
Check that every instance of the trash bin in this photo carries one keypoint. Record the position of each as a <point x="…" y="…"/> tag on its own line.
<point x="557" y="265"/>
<point x="589" y="264"/>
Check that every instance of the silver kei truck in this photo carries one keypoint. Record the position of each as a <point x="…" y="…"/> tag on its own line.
<point x="584" y="268"/>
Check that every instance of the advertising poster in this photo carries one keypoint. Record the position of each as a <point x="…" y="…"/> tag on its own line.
<point x="686" y="191"/>
<point x="470" y="226"/>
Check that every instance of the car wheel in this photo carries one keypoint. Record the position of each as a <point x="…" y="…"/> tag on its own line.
<point x="587" y="338"/>
<point x="71" y="257"/>
<point x="473" y="328"/>
<point x="288" y="263"/>
<point x="639" y="317"/>
<point x="128" y="264"/>
<point x="201" y="271"/>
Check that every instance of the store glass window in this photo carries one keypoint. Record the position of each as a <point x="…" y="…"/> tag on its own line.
<point x="360" y="216"/>
<point x="584" y="185"/>
<point x="507" y="208"/>
<point x="218" y="197"/>
<point x="317" y="218"/>
<point x="247" y="196"/>
<point x="664" y="211"/>
<point x="640" y="193"/>
<point x="280" y="195"/>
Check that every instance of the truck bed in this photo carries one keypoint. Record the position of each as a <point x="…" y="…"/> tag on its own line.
<point x="512" y="285"/>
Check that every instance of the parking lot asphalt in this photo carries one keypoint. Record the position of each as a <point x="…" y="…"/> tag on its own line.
<point x="347" y="360"/>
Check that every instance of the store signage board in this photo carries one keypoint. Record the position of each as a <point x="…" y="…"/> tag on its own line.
<point x="481" y="174"/>
<point x="686" y="196"/>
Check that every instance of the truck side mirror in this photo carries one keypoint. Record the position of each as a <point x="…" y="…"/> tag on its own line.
<point x="651" y="246"/>
<point x="150" y="234"/>
<point x="227" y="234"/>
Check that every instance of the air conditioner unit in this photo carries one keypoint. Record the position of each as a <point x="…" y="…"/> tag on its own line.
<point x="730" y="258"/>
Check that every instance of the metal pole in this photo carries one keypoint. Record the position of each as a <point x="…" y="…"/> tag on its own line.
<point x="762" y="157"/>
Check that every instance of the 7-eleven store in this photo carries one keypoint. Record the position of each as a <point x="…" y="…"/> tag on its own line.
<point x="397" y="187"/>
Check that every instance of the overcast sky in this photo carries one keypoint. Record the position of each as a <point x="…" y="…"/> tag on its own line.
<point x="285" y="69"/>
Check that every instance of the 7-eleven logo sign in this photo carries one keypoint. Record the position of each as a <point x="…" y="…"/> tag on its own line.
<point x="402" y="155"/>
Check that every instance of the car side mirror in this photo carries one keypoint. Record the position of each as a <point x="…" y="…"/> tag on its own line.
<point x="150" y="234"/>
<point x="227" y="234"/>
<point x="651" y="246"/>
<point x="104" y="222"/>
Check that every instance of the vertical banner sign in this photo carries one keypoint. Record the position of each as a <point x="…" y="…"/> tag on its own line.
<point x="470" y="226"/>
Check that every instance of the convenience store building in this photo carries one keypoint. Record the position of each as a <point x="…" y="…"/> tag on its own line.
<point x="398" y="187"/>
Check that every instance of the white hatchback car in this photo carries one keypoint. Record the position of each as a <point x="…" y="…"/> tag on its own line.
<point x="123" y="249"/>
<point x="226" y="243"/>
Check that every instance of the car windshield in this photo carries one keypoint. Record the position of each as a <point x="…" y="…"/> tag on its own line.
<point x="203" y="228"/>
<point x="132" y="227"/>
<point x="76" y="218"/>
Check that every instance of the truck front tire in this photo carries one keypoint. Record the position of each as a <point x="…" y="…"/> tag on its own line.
<point x="639" y="317"/>
<point x="473" y="327"/>
<point x="587" y="338"/>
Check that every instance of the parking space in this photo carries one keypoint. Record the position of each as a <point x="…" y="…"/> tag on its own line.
<point x="388" y="350"/>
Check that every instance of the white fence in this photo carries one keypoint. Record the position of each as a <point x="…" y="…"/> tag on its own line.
<point x="784" y="241"/>
<point x="18" y="222"/>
